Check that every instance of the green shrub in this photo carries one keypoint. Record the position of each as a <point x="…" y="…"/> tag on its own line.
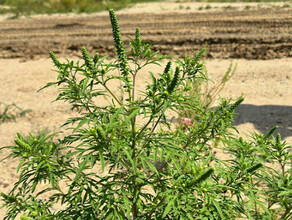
<point x="149" y="167"/>
<point x="28" y="7"/>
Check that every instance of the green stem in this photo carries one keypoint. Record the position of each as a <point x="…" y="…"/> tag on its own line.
<point x="134" y="207"/>
<point x="113" y="95"/>
<point x="147" y="141"/>
<point x="206" y="127"/>
<point x="150" y="119"/>
<point x="133" y="90"/>
<point x="192" y="139"/>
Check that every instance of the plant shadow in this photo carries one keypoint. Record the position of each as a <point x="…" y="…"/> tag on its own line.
<point x="264" y="117"/>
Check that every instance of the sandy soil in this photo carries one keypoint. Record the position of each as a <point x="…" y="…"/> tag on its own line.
<point x="258" y="40"/>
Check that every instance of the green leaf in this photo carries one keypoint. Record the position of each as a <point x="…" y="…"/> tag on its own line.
<point x="284" y="193"/>
<point x="168" y="207"/>
<point x="19" y="165"/>
<point x="270" y="133"/>
<point x="101" y="160"/>
<point x="40" y="165"/>
<point x="113" y="118"/>
<point x="189" y="216"/>
<point x="152" y="77"/>
<point x="152" y="167"/>
<point x="84" y="84"/>
<point x="129" y="157"/>
<point x="81" y="168"/>
<point x="218" y="209"/>
<point x="34" y="185"/>
<point x="133" y="114"/>
<point x="82" y="122"/>
<point x="25" y="218"/>
<point x="127" y="205"/>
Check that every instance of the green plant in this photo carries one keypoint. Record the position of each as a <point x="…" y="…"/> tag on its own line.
<point x="204" y="89"/>
<point x="208" y="7"/>
<point x="11" y="112"/>
<point x="28" y="7"/>
<point x="149" y="167"/>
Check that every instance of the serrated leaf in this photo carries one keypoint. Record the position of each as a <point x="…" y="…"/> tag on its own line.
<point x="82" y="122"/>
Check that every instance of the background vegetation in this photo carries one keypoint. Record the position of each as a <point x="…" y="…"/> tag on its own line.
<point x="243" y="0"/>
<point x="78" y="6"/>
<point x="61" y="6"/>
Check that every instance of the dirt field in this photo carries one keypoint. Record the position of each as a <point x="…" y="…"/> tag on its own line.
<point x="257" y="38"/>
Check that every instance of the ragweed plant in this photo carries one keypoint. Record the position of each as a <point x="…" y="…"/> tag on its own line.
<point x="204" y="89"/>
<point x="127" y="160"/>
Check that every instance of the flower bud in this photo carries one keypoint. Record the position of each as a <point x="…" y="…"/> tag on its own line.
<point x="187" y="121"/>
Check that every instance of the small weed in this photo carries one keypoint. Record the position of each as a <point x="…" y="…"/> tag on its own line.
<point x="247" y="7"/>
<point x="229" y="7"/>
<point x="208" y="7"/>
<point x="9" y="112"/>
<point x="286" y="5"/>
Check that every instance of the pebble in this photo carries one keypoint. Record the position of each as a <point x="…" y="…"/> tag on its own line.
<point x="5" y="185"/>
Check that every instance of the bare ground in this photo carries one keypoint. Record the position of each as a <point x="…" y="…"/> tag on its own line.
<point x="258" y="40"/>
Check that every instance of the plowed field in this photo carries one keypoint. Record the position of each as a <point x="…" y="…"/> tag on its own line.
<point x="250" y="34"/>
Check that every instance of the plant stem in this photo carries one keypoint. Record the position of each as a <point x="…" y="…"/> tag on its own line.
<point x="134" y="211"/>
<point x="133" y="90"/>
<point x="150" y="119"/>
<point x="113" y="95"/>
<point x="147" y="141"/>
